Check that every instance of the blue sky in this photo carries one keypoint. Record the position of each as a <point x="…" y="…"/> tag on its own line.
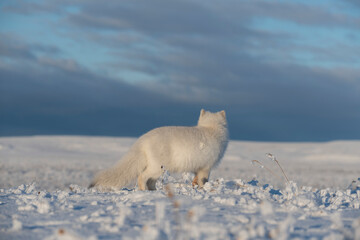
<point x="283" y="70"/>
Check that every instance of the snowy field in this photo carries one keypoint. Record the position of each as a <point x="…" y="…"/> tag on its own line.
<point x="44" y="195"/>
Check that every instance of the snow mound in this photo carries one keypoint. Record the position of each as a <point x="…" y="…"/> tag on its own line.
<point x="223" y="209"/>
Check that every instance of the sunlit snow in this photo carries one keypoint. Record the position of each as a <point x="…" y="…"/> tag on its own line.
<point x="44" y="195"/>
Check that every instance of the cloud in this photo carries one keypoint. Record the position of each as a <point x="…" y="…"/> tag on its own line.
<point x="162" y="62"/>
<point x="29" y="7"/>
<point x="355" y="3"/>
<point x="189" y="17"/>
<point x="298" y="12"/>
<point x="51" y="95"/>
<point x="11" y="47"/>
<point x="184" y="17"/>
<point x="263" y="101"/>
<point x="296" y="32"/>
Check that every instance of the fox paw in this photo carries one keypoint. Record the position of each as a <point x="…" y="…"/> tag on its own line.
<point x="195" y="181"/>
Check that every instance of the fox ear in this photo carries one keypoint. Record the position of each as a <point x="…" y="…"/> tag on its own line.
<point x="223" y="113"/>
<point x="202" y="112"/>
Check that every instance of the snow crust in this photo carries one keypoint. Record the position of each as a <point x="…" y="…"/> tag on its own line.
<point x="44" y="195"/>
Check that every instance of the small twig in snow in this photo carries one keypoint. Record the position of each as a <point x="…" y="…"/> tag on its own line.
<point x="268" y="169"/>
<point x="272" y="157"/>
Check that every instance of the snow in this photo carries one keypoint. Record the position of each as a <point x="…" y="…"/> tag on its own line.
<point x="44" y="195"/>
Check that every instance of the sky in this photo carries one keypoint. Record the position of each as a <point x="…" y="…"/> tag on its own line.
<point x="282" y="70"/>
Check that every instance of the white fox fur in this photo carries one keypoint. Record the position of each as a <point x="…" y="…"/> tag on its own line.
<point x="177" y="149"/>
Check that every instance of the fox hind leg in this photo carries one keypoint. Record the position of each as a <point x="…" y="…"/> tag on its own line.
<point x="201" y="177"/>
<point x="151" y="184"/>
<point x="147" y="179"/>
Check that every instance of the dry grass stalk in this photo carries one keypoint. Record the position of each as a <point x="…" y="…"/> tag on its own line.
<point x="176" y="208"/>
<point x="272" y="157"/>
<point x="268" y="169"/>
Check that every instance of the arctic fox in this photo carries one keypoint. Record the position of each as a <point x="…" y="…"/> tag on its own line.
<point x="176" y="149"/>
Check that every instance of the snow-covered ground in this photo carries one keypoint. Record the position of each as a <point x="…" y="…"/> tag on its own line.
<point x="44" y="195"/>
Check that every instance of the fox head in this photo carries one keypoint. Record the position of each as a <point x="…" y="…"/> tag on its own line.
<point x="209" y="119"/>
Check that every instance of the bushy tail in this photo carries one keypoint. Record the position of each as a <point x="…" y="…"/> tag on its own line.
<point x="122" y="174"/>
